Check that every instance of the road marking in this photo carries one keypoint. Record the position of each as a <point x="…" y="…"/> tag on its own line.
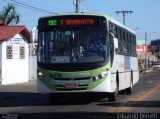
<point x="150" y="82"/>
<point x="125" y="108"/>
<point x="146" y="92"/>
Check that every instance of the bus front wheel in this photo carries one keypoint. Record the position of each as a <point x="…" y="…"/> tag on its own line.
<point x="114" y="96"/>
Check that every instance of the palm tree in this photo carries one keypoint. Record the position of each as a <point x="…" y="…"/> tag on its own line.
<point x="9" y="15"/>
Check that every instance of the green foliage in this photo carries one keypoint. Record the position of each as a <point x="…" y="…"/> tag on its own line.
<point x="9" y="15"/>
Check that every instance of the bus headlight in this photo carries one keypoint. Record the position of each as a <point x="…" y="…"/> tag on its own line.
<point x="105" y="73"/>
<point x="94" y="78"/>
<point x="40" y="74"/>
<point x="43" y="77"/>
<point x="100" y="76"/>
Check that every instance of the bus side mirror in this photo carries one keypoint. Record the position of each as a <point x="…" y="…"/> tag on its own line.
<point x="33" y="40"/>
<point x="115" y="43"/>
<point x="33" y="34"/>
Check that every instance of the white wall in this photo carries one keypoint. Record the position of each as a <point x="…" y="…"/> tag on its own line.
<point x="33" y="64"/>
<point x="15" y="70"/>
<point x="1" y="61"/>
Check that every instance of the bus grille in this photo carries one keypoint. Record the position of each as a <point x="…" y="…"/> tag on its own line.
<point x="68" y="79"/>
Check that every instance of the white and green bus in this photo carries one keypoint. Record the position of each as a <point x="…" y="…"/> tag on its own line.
<point x="85" y="53"/>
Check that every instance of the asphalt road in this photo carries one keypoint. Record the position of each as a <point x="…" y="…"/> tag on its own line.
<point x="20" y="101"/>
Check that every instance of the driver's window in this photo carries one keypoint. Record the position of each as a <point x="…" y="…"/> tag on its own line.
<point x="111" y="48"/>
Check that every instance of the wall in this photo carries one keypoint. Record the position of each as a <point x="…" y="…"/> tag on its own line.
<point x="15" y="70"/>
<point x="1" y="61"/>
<point x="33" y="64"/>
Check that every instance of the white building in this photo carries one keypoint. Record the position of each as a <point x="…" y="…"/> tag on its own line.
<point x="14" y="54"/>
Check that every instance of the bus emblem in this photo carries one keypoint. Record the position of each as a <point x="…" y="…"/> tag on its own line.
<point x="71" y="78"/>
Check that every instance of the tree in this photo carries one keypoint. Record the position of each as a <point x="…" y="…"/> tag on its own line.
<point x="9" y="15"/>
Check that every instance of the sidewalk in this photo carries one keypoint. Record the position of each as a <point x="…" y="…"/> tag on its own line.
<point x="31" y="86"/>
<point x="20" y="87"/>
<point x="146" y="71"/>
<point x="149" y="70"/>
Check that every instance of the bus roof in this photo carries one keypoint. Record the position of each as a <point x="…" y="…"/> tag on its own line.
<point x="106" y="16"/>
<point x="121" y="25"/>
<point x="75" y="15"/>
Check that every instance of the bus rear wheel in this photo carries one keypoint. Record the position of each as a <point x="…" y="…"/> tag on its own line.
<point x="129" y="90"/>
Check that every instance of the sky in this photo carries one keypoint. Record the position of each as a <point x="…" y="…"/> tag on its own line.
<point x="146" y="16"/>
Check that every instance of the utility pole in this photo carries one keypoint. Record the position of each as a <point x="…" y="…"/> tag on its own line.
<point x="76" y="3"/>
<point x="124" y="14"/>
<point x="145" y="59"/>
<point x="146" y="48"/>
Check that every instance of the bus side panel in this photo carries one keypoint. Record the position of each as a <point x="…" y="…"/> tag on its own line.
<point x="132" y="72"/>
<point x="135" y="70"/>
<point x="105" y="86"/>
<point x="124" y="65"/>
<point x="118" y="67"/>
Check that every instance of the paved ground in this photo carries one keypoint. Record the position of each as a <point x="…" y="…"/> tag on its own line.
<point x="20" y="99"/>
<point x="29" y="87"/>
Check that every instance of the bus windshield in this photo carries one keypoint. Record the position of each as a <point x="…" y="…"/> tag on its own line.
<point x="73" y="46"/>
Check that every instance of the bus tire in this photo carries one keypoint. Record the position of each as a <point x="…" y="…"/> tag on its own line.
<point x="54" y="98"/>
<point x="122" y="92"/>
<point x="129" y="90"/>
<point x="114" y="96"/>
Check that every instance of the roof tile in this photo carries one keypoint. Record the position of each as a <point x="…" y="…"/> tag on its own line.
<point x="7" y="32"/>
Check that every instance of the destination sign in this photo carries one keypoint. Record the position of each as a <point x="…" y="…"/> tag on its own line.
<point x="69" y="21"/>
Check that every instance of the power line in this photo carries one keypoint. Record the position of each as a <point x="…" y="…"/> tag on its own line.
<point x="19" y="5"/>
<point x="34" y="7"/>
<point x="81" y="0"/>
<point x="36" y="3"/>
<point x="29" y="6"/>
<point x="124" y="14"/>
<point x="76" y="3"/>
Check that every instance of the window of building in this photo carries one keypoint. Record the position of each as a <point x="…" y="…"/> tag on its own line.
<point x="22" y="52"/>
<point x="9" y="52"/>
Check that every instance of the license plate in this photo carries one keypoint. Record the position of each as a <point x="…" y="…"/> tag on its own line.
<point x="71" y="86"/>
